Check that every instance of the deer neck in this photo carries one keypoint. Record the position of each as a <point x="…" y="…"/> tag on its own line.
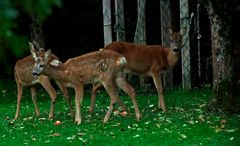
<point x="55" y="72"/>
<point x="172" y="57"/>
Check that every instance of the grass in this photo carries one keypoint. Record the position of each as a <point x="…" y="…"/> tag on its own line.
<point x="185" y="123"/>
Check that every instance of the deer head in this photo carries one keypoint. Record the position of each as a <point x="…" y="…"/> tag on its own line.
<point x="41" y="59"/>
<point x="175" y="41"/>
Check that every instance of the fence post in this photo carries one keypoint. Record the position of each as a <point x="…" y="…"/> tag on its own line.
<point x="119" y="15"/>
<point x="140" y="33"/>
<point x="165" y="24"/>
<point x="107" y="21"/>
<point x="185" y="53"/>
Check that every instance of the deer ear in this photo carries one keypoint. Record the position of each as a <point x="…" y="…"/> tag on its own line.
<point x="47" y="54"/>
<point x="31" y="47"/>
<point x="33" y="54"/>
<point x="36" y="44"/>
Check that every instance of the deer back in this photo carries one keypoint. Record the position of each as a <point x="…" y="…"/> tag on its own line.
<point x="144" y="59"/>
<point x="96" y="64"/>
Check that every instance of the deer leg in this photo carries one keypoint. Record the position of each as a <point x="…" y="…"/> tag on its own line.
<point x="127" y="88"/>
<point x="67" y="97"/>
<point x="110" y="88"/>
<point x="51" y="91"/>
<point x="158" y="83"/>
<point x="78" y="102"/>
<point x="33" y="92"/>
<point x="96" y="87"/>
<point x="19" y="97"/>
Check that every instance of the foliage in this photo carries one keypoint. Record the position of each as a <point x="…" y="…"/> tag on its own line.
<point x="10" y="11"/>
<point x="185" y="123"/>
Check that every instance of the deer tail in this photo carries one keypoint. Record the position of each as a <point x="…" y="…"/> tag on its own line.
<point x="121" y="60"/>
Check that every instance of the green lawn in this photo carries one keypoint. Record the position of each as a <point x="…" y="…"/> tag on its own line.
<point x="185" y="123"/>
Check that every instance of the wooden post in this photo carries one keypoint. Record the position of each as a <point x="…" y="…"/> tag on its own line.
<point x="107" y="22"/>
<point x="185" y="53"/>
<point x="119" y="26"/>
<point x="165" y="24"/>
<point x="140" y="33"/>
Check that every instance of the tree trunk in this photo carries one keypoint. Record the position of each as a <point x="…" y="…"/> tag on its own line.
<point x="107" y="22"/>
<point x="119" y="26"/>
<point x="140" y="33"/>
<point x="36" y="32"/>
<point x="224" y="97"/>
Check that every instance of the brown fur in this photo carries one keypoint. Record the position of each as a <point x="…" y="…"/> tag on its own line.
<point x="152" y="60"/>
<point x="23" y="77"/>
<point x="99" y="66"/>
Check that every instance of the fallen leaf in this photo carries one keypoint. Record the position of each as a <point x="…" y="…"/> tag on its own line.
<point x="81" y="134"/>
<point x="147" y="122"/>
<point x="71" y="137"/>
<point x="183" y="136"/>
<point x="135" y="136"/>
<point x="218" y="130"/>
<point x="151" y="105"/>
<point x="167" y="130"/>
<point x="135" y="125"/>
<point x="42" y="119"/>
<point x="202" y="105"/>
<point x="168" y="120"/>
<point x="47" y="141"/>
<point x="232" y="138"/>
<point x="231" y="130"/>
<point x="55" y="134"/>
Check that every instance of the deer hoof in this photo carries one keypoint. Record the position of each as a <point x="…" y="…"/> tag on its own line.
<point x="138" y="117"/>
<point x="78" y="121"/>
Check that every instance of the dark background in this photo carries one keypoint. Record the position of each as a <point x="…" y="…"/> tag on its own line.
<point x="77" y="28"/>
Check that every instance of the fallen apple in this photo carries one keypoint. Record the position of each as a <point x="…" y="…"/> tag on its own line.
<point x="57" y="123"/>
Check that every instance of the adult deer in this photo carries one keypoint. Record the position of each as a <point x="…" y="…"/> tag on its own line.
<point x="99" y="66"/>
<point x="150" y="60"/>
<point x="23" y="77"/>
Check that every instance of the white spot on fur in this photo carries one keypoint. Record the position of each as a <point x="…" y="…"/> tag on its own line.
<point x="56" y="62"/>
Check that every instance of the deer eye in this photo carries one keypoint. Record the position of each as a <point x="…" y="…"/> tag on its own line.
<point x="41" y="65"/>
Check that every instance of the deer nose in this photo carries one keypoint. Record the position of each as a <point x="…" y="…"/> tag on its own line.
<point x="34" y="74"/>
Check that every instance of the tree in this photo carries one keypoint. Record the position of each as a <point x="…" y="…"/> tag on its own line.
<point x="220" y="14"/>
<point x="10" y="10"/>
<point x="140" y="33"/>
<point x="119" y="15"/>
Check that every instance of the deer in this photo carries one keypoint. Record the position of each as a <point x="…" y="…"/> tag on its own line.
<point x="23" y="77"/>
<point x="98" y="66"/>
<point x="148" y="60"/>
